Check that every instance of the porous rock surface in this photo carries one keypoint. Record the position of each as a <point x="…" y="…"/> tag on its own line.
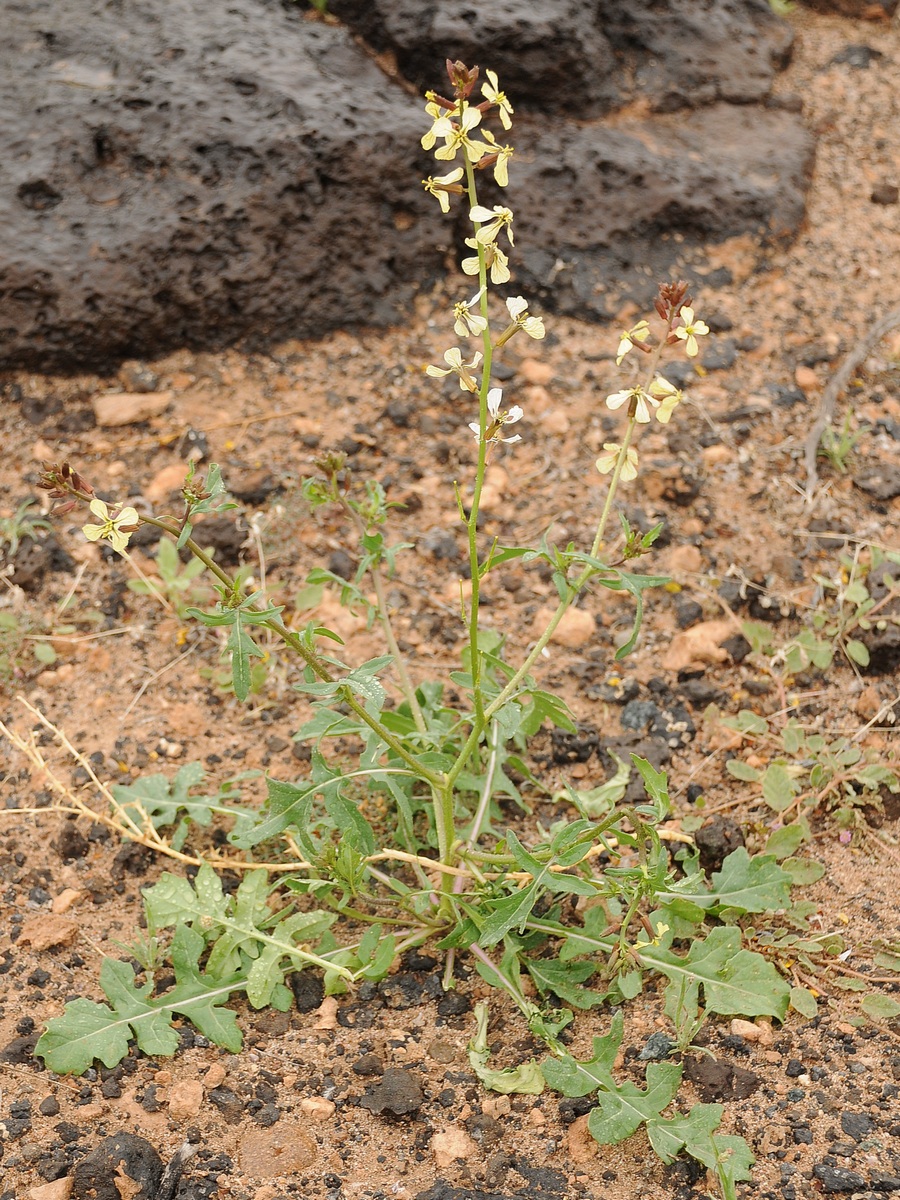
<point x="586" y="57"/>
<point x="176" y="180"/>
<point x="171" y="178"/>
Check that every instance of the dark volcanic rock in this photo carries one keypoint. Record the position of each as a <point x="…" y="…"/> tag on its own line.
<point x="708" y="175"/>
<point x="398" y="1094"/>
<point x="584" y="58"/>
<point x="718" y="1080"/>
<point x="172" y="179"/>
<point x="94" y="1178"/>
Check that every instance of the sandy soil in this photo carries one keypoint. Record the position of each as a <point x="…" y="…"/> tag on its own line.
<point x="134" y="688"/>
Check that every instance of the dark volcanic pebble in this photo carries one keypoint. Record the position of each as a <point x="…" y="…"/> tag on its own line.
<point x="838" y="1179"/>
<point x="398" y="1094"/>
<point x="94" y="1178"/>
<point x="719" y="1080"/>
<point x="716" y="840"/>
<point x="856" y="1124"/>
<point x="308" y="989"/>
<point x="369" y="1064"/>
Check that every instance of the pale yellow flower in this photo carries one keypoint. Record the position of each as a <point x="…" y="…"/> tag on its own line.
<point x="112" y="529"/>
<point x="642" y="402"/>
<point x="628" y="337"/>
<point x="495" y="261"/>
<point x="498" y="418"/>
<point x="606" y="462"/>
<point x="668" y="395"/>
<point x="437" y="114"/>
<point x="494" y="219"/>
<point x="456" y="136"/>
<point x="517" y="307"/>
<point x="491" y="92"/>
<point x="504" y="154"/>
<point x="644" y="942"/>
<point x="442" y="186"/>
<point x="456" y="366"/>
<point x="690" y="331"/>
<point x="465" y="321"/>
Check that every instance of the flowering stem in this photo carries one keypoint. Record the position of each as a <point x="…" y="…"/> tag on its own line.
<point x="472" y="522"/>
<point x="621" y="460"/>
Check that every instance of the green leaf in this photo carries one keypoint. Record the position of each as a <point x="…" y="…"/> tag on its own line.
<point x="565" y="979"/>
<point x="880" y="1008"/>
<point x="511" y="912"/>
<point x="804" y="1002"/>
<point x="803" y="870"/>
<point x="242" y="648"/>
<point x="751" y="885"/>
<point x="857" y="651"/>
<point x="88" y="1031"/>
<point x="741" y="770"/>
<point x="599" y="801"/>
<point x="778" y="788"/>
<point x="622" y="1109"/>
<point x="784" y="842"/>
<point x="526" y="1079"/>
<point x="735" y="982"/>
<point x="166" y="803"/>
<point x="656" y="784"/>
<point x="573" y="1078"/>
<point x="669" y="1137"/>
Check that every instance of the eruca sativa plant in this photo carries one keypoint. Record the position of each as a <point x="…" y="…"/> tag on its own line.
<point x="404" y="841"/>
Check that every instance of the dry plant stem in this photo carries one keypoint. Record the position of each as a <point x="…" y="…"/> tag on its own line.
<point x="854" y="359"/>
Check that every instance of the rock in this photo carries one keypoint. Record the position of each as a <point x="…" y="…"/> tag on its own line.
<point x="716" y="840"/>
<point x="576" y="629"/>
<point x="106" y="1172"/>
<point x="59" y="1189"/>
<point x="228" y="1103"/>
<point x="580" y="57"/>
<point x="398" y="1094"/>
<point x="718" y="1080"/>
<point x="369" y="1064"/>
<point x="684" y="560"/>
<point x="657" y="1047"/>
<point x="856" y="1124"/>
<point x="308" y="989"/>
<point x="317" y="1108"/>
<point x="167" y="482"/>
<point x="185" y="1099"/>
<point x="838" y="1179"/>
<point x="701" y="644"/>
<point x="885" y="193"/>
<point x="229" y="179"/>
<point x="581" y="1143"/>
<point x="177" y="183"/>
<point x="745" y="1029"/>
<point x="756" y="167"/>
<point x="127" y="408"/>
<point x="281" y="1149"/>
<point x="452" y="1144"/>
<point x="47" y="930"/>
<point x="882" y="482"/>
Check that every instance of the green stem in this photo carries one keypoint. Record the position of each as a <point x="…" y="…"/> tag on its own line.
<point x="277" y="626"/>
<point x="472" y="521"/>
